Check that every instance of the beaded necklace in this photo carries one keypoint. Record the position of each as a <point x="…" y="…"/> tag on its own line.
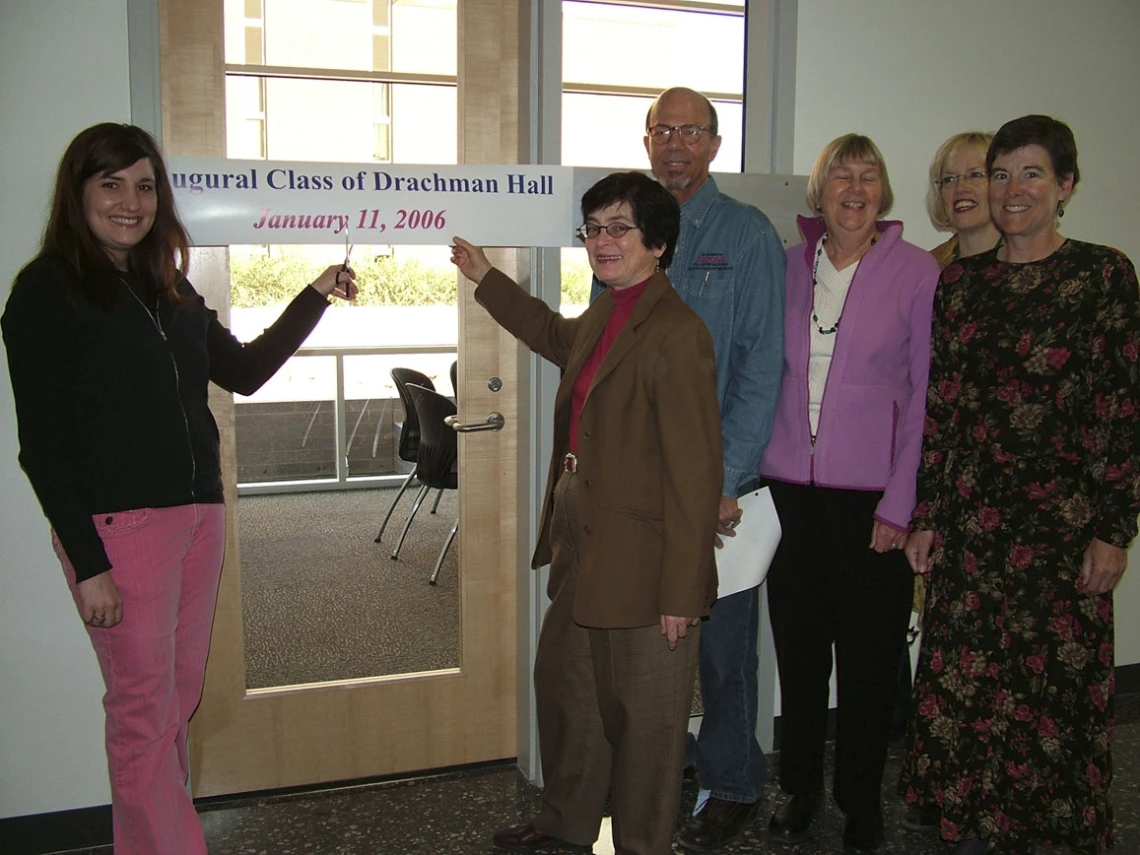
<point x="815" y="284"/>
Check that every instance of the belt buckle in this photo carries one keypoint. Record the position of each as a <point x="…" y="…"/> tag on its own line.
<point x="570" y="462"/>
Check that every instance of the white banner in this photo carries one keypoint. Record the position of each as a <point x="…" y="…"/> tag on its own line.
<point x="276" y="202"/>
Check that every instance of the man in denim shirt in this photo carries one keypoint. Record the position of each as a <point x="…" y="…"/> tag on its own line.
<point x="729" y="268"/>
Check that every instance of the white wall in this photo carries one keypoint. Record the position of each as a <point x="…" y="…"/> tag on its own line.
<point x="910" y="74"/>
<point x="63" y="64"/>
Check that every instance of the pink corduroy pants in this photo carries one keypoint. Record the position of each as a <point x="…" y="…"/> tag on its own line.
<point x="166" y="563"/>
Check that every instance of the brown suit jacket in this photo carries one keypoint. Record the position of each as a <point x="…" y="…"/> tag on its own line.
<point x="649" y="453"/>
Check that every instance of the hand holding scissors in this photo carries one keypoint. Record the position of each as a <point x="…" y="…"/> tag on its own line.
<point x="339" y="279"/>
<point x="346" y="271"/>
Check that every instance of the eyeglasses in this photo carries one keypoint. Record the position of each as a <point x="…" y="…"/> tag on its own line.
<point x="688" y="134"/>
<point x="973" y="177"/>
<point x="592" y="230"/>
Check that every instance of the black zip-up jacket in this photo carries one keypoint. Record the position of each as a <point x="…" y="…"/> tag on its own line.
<point x="112" y="403"/>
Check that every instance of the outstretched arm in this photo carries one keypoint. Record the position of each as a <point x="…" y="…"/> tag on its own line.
<point x="245" y="367"/>
<point x="527" y="318"/>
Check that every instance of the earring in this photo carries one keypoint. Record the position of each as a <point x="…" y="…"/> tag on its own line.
<point x="657" y="266"/>
<point x="1060" y="211"/>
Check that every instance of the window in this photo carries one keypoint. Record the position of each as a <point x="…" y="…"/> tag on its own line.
<point x="341" y="80"/>
<point x="616" y="58"/>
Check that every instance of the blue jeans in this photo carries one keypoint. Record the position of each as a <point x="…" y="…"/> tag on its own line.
<point x="729" y="760"/>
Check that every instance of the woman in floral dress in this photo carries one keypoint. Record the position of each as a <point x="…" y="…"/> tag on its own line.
<point x="1028" y="495"/>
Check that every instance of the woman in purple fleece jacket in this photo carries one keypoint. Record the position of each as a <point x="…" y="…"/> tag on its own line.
<point x="841" y="463"/>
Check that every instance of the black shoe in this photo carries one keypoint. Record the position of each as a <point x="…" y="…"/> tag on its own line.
<point x="793" y="819"/>
<point x="973" y="846"/>
<point x="863" y="834"/>
<point x="718" y="822"/>
<point x="921" y="818"/>
<point x="525" y="838"/>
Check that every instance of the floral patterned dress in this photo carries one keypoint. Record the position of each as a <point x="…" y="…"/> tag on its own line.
<point x="1031" y="450"/>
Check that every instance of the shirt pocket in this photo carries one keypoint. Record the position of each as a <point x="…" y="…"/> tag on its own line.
<point x="704" y="283"/>
<point x="120" y="523"/>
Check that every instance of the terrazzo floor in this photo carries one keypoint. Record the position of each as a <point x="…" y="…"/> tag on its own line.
<point x="456" y="813"/>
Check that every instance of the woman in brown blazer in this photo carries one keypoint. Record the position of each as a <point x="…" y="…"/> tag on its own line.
<point x="627" y="525"/>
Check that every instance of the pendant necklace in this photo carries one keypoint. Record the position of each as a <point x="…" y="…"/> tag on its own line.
<point x="154" y="316"/>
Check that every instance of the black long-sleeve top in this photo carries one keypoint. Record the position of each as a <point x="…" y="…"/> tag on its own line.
<point x="111" y="403"/>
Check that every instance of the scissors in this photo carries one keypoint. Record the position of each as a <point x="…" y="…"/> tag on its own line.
<point x="347" y="283"/>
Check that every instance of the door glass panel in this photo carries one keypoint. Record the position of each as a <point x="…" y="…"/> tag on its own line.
<point x="318" y="447"/>
<point x="320" y="599"/>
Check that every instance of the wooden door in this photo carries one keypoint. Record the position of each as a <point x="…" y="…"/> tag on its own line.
<point x="243" y="740"/>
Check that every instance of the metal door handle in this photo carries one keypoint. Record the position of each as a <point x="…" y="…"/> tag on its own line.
<point x="495" y="421"/>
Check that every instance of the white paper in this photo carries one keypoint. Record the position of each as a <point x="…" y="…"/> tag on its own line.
<point x="743" y="562"/>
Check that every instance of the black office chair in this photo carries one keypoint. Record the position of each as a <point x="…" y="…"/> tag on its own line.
<point x="409" y="447"/>
<point x="455" y="380"/>
<point x="436" y="467"/>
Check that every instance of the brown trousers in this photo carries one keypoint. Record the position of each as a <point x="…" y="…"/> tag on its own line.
<point x="613" y="709"/>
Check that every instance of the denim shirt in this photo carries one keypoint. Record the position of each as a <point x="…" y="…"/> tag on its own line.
<point x="729" y="269"/>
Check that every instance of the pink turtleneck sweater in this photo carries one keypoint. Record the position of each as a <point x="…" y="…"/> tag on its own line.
<point x="624" y="301"/>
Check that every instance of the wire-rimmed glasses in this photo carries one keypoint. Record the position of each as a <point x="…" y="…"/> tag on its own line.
<point x="688" y="134"/>
<point x="971" y="178"/>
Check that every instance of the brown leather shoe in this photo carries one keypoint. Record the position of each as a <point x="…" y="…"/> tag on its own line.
<point x="718" y="822"/>
<point x="525" y="838"/>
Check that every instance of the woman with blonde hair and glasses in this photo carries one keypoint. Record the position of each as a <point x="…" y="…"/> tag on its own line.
<point x="956" y="199"/>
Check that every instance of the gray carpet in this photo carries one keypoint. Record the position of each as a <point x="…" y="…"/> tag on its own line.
<point x="322" y="602"/>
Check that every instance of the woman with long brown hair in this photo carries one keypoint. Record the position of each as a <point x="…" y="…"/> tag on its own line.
<point x="111" y="352"/>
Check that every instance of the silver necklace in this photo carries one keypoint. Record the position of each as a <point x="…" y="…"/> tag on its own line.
<point x="154" y="316"/>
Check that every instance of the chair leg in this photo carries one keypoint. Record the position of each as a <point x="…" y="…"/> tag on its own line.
<point x="392" y="507"/>
<point x="443" y="553"/>
<point x="438" y="496"/>
<point x="407" y="525"/>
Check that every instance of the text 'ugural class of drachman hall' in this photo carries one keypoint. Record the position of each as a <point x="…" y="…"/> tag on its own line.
<point x="363" y="181"/>
<point x="224" y="202"/>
